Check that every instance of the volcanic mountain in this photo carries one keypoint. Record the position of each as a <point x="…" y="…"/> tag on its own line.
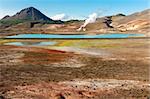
<point x="28" y="14"/>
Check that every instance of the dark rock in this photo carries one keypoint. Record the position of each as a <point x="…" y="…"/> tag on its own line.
<point x="2" y="97"/>
<point x="61" y="97"/>
<point x="5" y="17"/>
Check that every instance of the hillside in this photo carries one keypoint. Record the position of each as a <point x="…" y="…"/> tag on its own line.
<point x="139" y="22"/>
<point x="30" y="20"/>
<point x="104" y="23"/>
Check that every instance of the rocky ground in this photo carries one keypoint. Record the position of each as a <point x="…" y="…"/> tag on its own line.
<point x="50" y="73"/>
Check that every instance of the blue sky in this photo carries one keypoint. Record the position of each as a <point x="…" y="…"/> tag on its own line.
<point x="74" y="8"/>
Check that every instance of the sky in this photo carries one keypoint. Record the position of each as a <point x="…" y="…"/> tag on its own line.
<point x="75" y="9"/>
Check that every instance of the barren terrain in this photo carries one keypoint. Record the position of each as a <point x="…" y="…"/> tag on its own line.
<point x="75" y="69"/>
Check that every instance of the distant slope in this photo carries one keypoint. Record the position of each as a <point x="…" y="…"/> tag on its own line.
<point x="139" y="21"/>
<point x="104" y="23"/>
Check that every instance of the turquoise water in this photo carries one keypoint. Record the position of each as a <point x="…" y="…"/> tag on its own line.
<point x="31" y="43"/>
<point x="74" y="36"/>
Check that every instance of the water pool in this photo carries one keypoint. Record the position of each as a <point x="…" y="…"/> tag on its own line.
<point x="58" y="36"/>
<point x="31" y="43"/>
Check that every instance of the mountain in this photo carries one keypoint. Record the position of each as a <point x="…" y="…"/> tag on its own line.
<point x="29" y="14"/>
<point x="138" y="21"/>
<point x="36" y="22"/>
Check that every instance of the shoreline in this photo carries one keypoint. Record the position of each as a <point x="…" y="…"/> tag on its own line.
<point x="74" y="38"/>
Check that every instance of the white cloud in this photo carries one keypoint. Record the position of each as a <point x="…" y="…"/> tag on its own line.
<point x="60" y="17"/>
<point x="6" y="12"/>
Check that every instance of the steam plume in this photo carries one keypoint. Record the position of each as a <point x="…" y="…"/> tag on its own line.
<point x="91" y="19"/>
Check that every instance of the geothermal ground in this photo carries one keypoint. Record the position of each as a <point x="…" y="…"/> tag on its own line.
<point x="75" y="69"/>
